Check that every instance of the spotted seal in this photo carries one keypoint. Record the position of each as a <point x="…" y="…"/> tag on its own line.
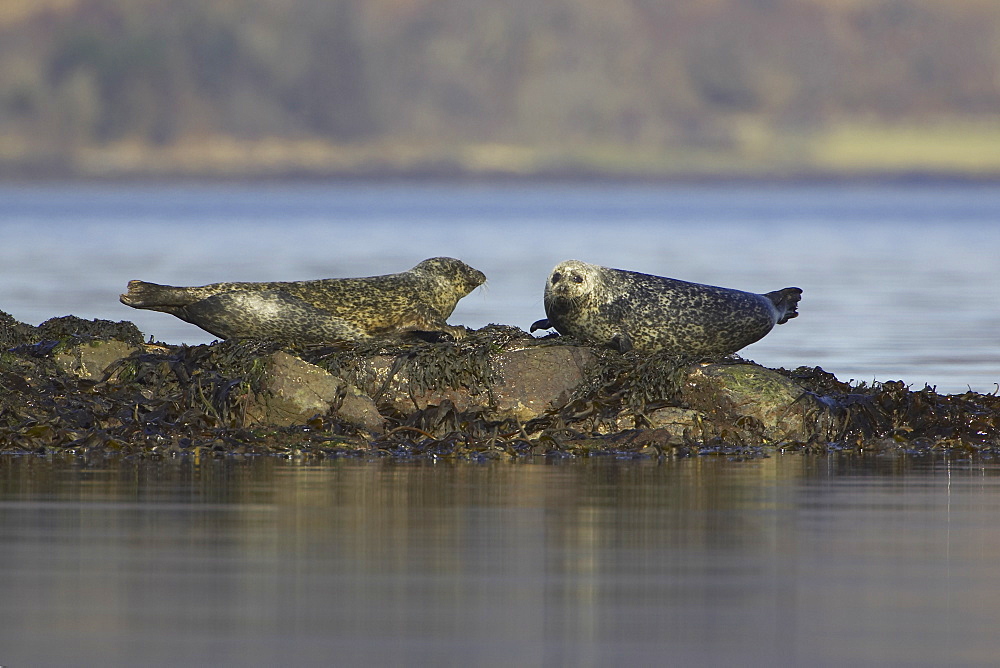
<point x="631" y="310"/>
<point x="319" y="311"/>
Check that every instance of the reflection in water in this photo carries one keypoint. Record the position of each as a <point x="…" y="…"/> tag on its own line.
<point x="793" y="559"/>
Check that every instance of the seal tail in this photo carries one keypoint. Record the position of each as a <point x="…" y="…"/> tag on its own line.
<point x="786" y="302"/>
<point x="153" y="296"/>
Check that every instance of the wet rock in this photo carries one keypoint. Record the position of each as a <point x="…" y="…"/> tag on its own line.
<point x="759" y="399"/>
<point x="674" y="425"/>
<point x="648" y="442"/>
<point x="90" y="360"/>
<point x="295" y="391"/>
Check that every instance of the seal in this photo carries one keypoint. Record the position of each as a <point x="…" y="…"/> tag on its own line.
<point x="320" y="311"/>
<point x="629" y="310"/>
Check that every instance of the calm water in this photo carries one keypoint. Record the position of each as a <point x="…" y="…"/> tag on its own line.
<point x="900" y="282"/>
<point x="792" y="560"/>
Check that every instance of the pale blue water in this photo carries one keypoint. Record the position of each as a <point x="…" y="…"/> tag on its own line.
<point x="900" y="281"/>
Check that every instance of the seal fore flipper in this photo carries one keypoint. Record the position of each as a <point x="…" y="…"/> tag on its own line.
<point x="621" y="342"/>
<point x="786" y="302"/>
<point x="540" y="324"/>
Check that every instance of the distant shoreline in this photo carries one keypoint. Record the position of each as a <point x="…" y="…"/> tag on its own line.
<point x="552" y="177"/>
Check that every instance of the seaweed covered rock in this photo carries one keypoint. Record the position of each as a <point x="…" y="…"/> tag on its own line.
<point x="13" y="332"/>
<point x="501" y="371"/>
<point x="771" y="406"/>
<point x="84" y="348"/>
<point x="156" y="400"/>
<point x="730" y="406"/>
<point x="889" y="414"/>
<point x="70" y="328"/>
<point x="73" y="384"/>
<point x="686" y="404"/>
<point x="520" y="384"/>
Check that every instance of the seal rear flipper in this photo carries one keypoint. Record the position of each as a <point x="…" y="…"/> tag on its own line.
<point x="786" y="302"/>
<point x="268" y="314"/>
<point x="154" y="296"/>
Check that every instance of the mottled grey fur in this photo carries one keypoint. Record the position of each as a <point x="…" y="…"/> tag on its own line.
<point x="648" y="313"/>
<point x="320" y="311"/>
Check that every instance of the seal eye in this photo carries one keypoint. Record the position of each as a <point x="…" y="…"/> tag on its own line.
<point x="577" y="278"/>
<point x="556" y="276"/>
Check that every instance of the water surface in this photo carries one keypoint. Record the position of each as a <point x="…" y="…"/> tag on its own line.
<point x="792" y="560"/>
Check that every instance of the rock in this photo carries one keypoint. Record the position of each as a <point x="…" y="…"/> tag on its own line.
<point x="91" y="359"/>
<point x="538" y="379"/>
<point x="152" y="395"/>
<point x="525" y="384"/>
<point x="295" y="391"/>
<point x="737" y="393"/>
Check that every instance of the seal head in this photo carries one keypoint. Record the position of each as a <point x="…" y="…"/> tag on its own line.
<point x="320" y="311"/>
<point x="627" y="309"/>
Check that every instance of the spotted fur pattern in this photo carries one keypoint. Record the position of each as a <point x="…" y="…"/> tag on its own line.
<point x="652" y="313"/>
<point x="320" y="311"/>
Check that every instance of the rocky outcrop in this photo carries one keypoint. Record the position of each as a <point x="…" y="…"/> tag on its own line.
<point x="95" y="384"/>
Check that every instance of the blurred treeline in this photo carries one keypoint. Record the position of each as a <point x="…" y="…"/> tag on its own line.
<point x="631" y="86"/>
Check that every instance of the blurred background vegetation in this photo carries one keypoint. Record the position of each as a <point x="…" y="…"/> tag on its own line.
<point x="107" y="88"/>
